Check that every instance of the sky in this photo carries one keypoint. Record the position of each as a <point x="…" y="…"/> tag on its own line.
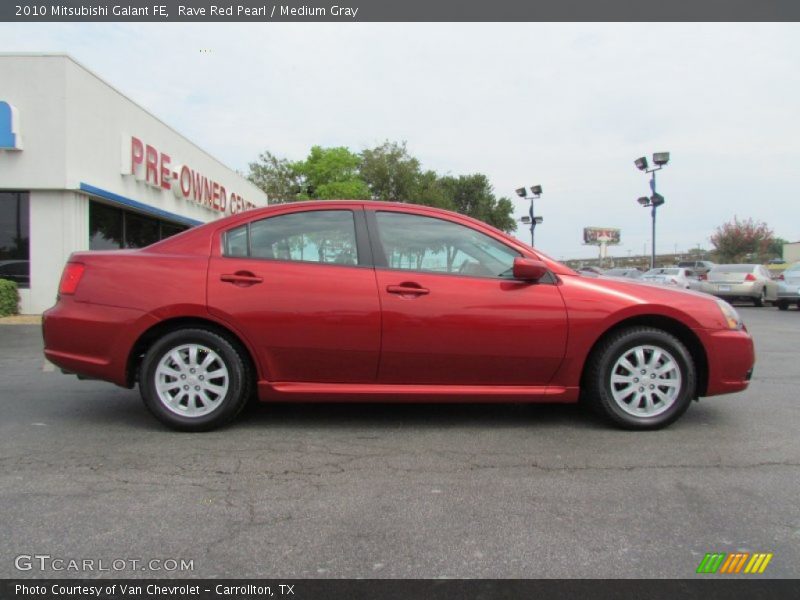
<point x="567" y="106"/>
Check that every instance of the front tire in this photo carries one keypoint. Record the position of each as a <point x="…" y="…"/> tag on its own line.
<point x="640" y="378"/>
<point x="194" y="380"/>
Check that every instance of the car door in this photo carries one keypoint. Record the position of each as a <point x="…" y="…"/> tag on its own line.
<point x="452" y="312"/>
<point x="301" y="287"/>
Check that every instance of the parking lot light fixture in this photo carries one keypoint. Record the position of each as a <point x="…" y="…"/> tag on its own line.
<point x="530" y="218"/>
<point x="660" y="159"/>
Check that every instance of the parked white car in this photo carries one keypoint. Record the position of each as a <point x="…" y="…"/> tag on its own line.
<point x="674" y="276"/>
<point x="789" y="287"/>
<point x="732" y="282"/>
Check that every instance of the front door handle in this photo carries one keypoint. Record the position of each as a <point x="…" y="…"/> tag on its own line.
<point x="241" y="278"/>
<point x="408" y="289"/>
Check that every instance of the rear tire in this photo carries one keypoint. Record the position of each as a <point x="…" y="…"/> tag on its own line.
<point x="194" y="380"/>
<point x="782" y="305"/>
<point x="640" y="378"/>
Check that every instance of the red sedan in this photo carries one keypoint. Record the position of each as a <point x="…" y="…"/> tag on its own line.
<point x="371" y="301"/>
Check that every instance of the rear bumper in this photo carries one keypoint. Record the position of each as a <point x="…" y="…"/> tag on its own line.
<point x="731" y="357"/>
<point x="733" y="290"/>
<point x="92" y="340"/>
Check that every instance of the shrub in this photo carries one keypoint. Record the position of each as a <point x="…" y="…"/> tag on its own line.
<point x="9" y="298"/>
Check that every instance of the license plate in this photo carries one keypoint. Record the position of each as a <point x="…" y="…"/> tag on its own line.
<point x="724" y="288"/>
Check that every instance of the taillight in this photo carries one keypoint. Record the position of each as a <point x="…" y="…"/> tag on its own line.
<point x="673" y="281"/>
<point x="750" y="277"/>
<point x="71" y="278"/>
<point x="781" y="277"/>
<point x="703" y="277"/>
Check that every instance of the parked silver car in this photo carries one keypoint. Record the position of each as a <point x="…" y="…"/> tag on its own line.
<point x="752" y="282"/>
<point x="789" y="287"/>
<point x="700" y="267"/>
<point x="627" y="272"/>
<point x="674" y="276"/>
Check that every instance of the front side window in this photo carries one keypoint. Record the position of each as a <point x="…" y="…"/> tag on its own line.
<point x="322" y="236"/>
<point x="418" y="243"/>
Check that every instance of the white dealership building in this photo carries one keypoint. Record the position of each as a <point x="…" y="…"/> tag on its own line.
<point x="84" y="167"/>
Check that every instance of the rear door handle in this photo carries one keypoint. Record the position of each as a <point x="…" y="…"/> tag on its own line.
<point x="410" y="289"/>
<point x="241" y="278"/>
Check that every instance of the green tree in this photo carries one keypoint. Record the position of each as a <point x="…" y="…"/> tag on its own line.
<point x="331" y="173"/>
<point x="277" y="177"/>
<point x="386" y="172"/>
<point x="739" y="240"/>
<point x="390" y="172"/>
<point x="775" y="248"/>
<point x="431" y="190"/>
<point x="472" y="195"/>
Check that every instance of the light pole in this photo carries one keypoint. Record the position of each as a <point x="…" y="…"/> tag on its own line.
<point x="660" y="159"/>
<point x="536" y="192"/>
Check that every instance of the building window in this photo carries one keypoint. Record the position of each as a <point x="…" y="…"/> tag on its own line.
<point x="15" y="238"/>
<point x="105" y="227"/>
<point x="112" y="228"/>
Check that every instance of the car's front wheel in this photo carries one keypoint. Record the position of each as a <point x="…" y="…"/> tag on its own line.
<point x="194" y="380"/>
<point x="640" y="378"/>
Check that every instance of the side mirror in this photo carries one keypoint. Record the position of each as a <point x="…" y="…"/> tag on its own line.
<point x="529" y="269"/>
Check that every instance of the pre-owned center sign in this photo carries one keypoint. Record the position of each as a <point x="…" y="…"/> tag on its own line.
<point x="158" y="169"/>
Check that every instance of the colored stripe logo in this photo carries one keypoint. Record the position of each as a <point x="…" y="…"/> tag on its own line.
<point x="735" y="563"/>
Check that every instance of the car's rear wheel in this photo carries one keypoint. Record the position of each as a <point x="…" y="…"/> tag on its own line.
<point x="640" y="378"/>
<point x="782" y="305"/>
<point x="194" y="380"/>
<point x="761" y="298"/>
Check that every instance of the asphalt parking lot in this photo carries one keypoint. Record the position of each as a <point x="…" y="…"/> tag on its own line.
<point x="398" y="490"/>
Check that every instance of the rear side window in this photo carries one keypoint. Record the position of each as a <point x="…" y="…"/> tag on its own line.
<point x="321" y="236"/>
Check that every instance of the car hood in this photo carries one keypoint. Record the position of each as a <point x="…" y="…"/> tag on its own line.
<point x="622" y="298"/>
<point x="649" y="289"/>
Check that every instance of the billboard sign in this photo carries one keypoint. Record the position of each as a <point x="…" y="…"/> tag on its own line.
<point x="601" y="235"/>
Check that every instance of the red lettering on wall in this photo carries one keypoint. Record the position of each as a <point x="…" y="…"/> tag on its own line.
<point x="186" y="181"/>
<point x="137" y="153"/>
<point x="150" y="165"/>
<point x="166" y="174"/>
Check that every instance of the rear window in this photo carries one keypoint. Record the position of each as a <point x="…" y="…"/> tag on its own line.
<point x="686" y="265"/>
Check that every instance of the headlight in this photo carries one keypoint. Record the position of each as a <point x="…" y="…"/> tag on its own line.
<point x="732" y="318"/>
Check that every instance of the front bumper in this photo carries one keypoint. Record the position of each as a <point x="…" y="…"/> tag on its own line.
<point x="731" y="357"/>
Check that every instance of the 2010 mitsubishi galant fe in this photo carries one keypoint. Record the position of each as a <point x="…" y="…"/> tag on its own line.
<point x="370" y="301"/>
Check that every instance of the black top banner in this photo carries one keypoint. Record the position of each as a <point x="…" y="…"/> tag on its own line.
<point x="348" y="11"/>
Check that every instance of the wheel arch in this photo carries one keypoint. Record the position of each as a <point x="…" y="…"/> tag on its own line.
<point x="155" y="332"/>
<point x="672" y="326"/>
